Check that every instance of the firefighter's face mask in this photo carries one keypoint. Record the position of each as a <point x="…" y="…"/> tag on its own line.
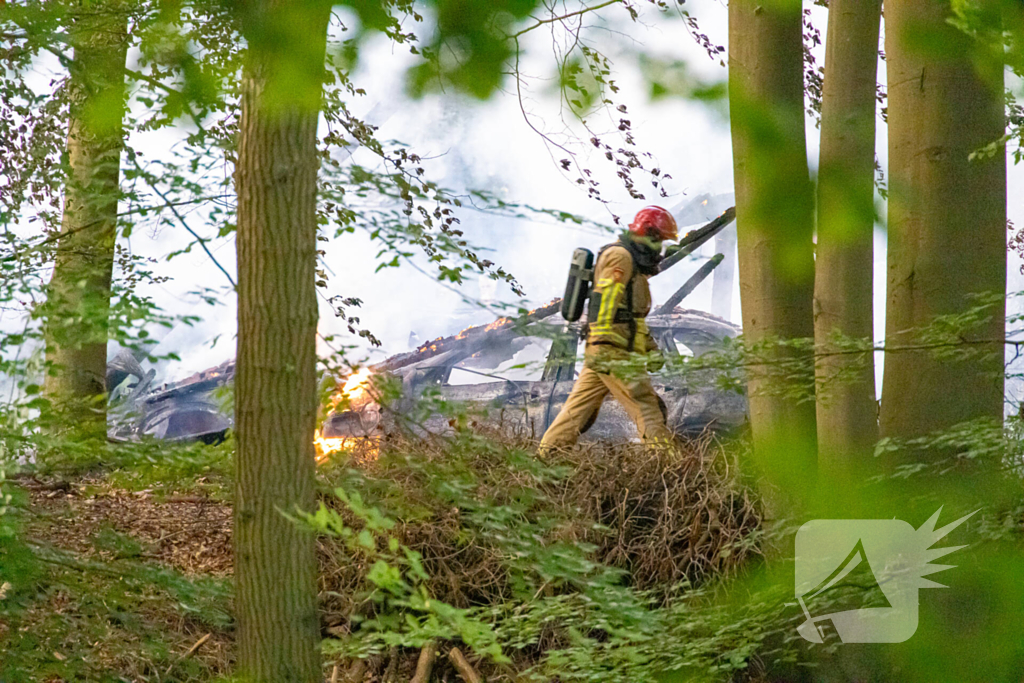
<point x="649" y="242"/>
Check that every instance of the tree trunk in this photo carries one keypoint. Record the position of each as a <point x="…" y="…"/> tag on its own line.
<point x="78" y="299"/>
<point x="275" y="380"/>
<point x="845" y="392"/>
<point x="774" y="216"/>
<point x="947" y="220"/>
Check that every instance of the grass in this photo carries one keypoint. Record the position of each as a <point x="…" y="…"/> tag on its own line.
<point x="85" y="601"/>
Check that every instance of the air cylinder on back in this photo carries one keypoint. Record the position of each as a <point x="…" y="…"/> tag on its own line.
<point x="577" y="287"/>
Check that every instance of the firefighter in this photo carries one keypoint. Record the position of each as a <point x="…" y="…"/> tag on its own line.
<point x="618" y="335"/>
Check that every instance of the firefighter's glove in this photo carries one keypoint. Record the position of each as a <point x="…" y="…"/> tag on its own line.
<point x="672" y="250"/>
<point x="655" y="360"/>
<point x="650" y="344"/>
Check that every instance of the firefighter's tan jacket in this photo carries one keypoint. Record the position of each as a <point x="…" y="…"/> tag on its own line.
<point x="608" y="329"/>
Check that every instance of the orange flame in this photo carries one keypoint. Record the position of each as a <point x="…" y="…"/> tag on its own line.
<point x="366" y="447"/>
<point x="355" y="390"/>
<point x="328" y="446"/>
<point x="357" y="385"/>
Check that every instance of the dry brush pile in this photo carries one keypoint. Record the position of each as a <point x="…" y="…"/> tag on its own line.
<point x="493" y="525"/>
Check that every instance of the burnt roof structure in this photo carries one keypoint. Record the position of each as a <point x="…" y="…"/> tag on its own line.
<point x="529" y="405"/>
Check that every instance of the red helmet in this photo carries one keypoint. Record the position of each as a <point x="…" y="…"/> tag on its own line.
<point x="656" y="223"/>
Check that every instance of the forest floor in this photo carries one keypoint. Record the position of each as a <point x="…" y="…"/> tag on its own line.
<point x="122" y="585"/>
<point x="121" y="570"/>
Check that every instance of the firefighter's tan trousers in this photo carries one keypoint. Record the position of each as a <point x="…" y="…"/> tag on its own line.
<point x="636" y="395"/>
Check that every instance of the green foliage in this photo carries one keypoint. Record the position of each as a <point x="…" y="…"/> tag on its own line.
<point x="471" y="45"/>
<point x="672" y="79"/>
<point x="560" y="614"/>
<point x="7" y="526"/>
<point x="407" y="614"/>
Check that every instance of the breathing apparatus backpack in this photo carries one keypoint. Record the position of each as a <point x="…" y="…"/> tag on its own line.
<point x="577" y="287"/>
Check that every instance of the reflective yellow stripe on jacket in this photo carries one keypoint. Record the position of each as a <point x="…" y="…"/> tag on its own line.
<point x="601" y="329"/>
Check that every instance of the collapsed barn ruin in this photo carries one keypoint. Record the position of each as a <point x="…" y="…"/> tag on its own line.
<point x="515" y="372"/>
<point x="529" y="406"/>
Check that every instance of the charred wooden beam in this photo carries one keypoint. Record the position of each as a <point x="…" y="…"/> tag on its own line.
<point x="695" y="239"/>
<point x="471" y="339"/>
<point x="689" y="285"/>
<point x="561" y="361"/>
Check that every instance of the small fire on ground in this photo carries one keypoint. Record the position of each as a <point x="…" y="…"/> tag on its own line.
<point x="356" y="390"/>
<point x="326" y="447"/>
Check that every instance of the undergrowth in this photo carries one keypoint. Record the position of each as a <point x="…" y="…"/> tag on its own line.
<point x="161" y="467"/>
<point x="106" y="615"/>
<point x="601" y="563"/>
